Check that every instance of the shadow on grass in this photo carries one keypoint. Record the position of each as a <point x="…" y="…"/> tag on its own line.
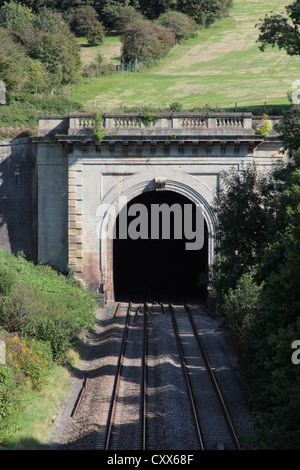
<point x="270" y="109"/>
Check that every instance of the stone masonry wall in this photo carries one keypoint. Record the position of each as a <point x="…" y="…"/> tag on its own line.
<point x="18" y="197"/>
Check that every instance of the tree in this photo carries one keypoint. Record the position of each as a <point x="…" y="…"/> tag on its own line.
<point x="125" y="16"/>
<point x="15" y="16"/>
<point x="44" y="38"/>
<point x="262" y="303"/>
<point x="20" y="73"/>
<point x="182" y="25"/>
<point x="95" y="34"/>
<point x="281" y="31"/>
<point x="289" y="130"/>
<point x="85" y="22"/>
<point x="204" y="12"/>
<point x="146" y="42"/>
<point x="154" y="8"/>
<point x="275" y="379"/>
<point x="243" y="211"/>
<point x="82" y="17"/>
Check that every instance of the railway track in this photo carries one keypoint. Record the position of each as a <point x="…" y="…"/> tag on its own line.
<point x="142" y="388"/>
<point x="212" y="420"/>
<point x="126" y="415"/>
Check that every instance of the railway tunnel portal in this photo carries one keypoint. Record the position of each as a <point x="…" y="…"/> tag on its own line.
<point x="167" y="257"/>
<point x="86" y="187"/>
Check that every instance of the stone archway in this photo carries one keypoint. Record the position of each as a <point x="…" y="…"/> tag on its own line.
<point x="131" y="187"/>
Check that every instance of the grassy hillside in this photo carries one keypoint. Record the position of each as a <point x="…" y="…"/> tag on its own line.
<point x="43" y="315"/>
<point x="221" y="67"/>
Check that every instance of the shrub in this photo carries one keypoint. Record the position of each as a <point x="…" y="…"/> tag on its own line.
<point x="149" y="119"/>
<point x="99" y="68"/>
<point x="146" y="42"/>
<point x="176" y="107"/>
<point x="13" y="313"/>
<point x="117" y="16"/>
<point x="265" y="128"/>
<point x="154" y="8"/>
<point x="58" y="333"/>
<point x="182" y="25"/>
<point x="241" y="306"/>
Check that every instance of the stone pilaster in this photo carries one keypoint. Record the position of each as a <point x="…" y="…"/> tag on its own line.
<point x="75" y="224"/>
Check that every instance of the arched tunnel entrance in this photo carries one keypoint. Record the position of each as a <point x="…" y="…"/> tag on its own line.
<point x="163" y="269"/>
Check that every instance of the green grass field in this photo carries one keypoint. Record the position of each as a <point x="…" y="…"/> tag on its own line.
<point x="221" y="67"/>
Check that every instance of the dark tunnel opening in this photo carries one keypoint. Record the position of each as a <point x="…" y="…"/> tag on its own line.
<point x="163" y="269"/>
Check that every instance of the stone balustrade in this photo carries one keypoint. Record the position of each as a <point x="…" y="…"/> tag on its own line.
<point x="161" y="124"/>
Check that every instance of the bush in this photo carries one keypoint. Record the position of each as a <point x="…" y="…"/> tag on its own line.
<point x="13" y="312"/>
<point x="182" y="25"/>
<point x="176" y="107"/>
<point x="241" y="306"/>
<point x="58" y="333"/>
<point x="99" y="68"/>
<point x="265" y="128"/>
<point x="146" y="42"/>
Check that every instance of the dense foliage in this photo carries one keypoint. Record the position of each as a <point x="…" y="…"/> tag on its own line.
<point x="146" y="41"/>
<point x="84" y="21"/>
<point x="244" y="213"/>
<point x="182" y="25"/>
<point x="260" y="296"/>
<point x="41" y="313"/>
<point x="204" y="12"/>
<point x="37" y="51"/>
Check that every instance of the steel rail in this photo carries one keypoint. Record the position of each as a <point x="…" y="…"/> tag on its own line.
<point x="214" y="380"/>
<point x="144" y="382"/>
<point x="117" y="382"/>
<point x="186" y="374"/>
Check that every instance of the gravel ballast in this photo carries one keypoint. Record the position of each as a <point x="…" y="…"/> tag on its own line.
<point x="169" y="420"/>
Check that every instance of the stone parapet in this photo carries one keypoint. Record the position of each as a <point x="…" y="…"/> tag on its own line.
<point x="161" y="124"/>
